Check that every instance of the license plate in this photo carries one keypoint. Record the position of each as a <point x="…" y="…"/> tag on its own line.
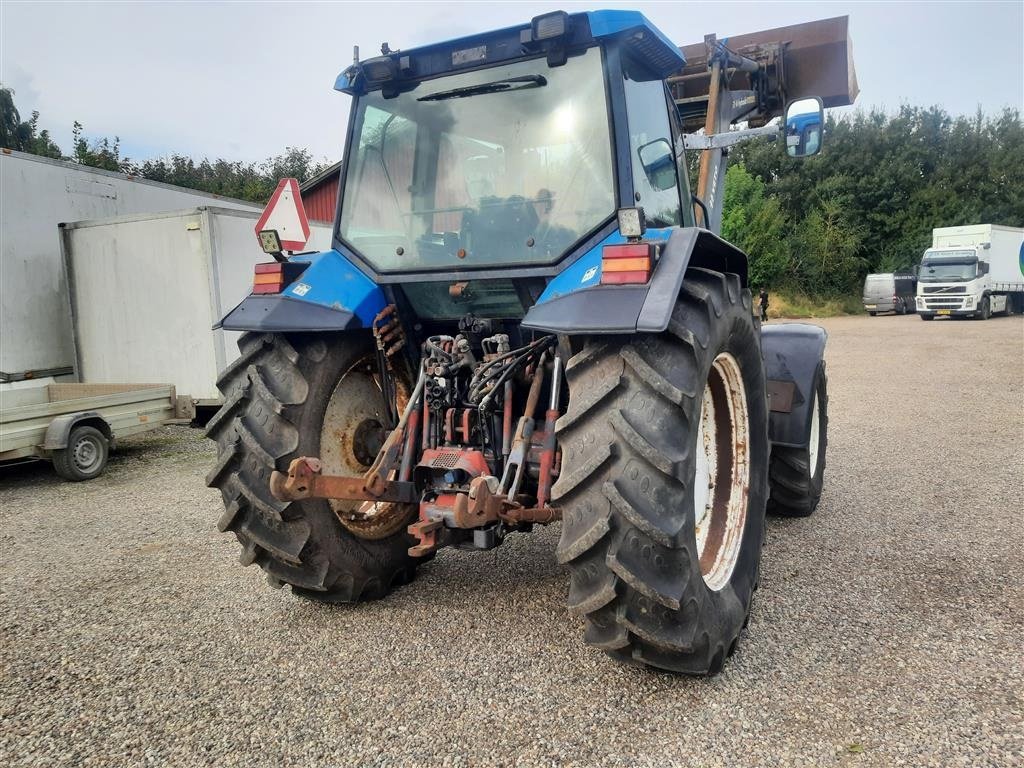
<point x="870" y="306"/>
<point x="943" y="312"/>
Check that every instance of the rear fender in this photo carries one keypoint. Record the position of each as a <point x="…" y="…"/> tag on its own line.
<point x="331" y="294"/>
<point x="589" y="307"/>
<point x="793" y="356"/>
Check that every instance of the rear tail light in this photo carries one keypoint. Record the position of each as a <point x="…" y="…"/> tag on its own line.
<point x="276" y="276"/>
<point x="269" y="278"/>
<point x="629" y="263"/>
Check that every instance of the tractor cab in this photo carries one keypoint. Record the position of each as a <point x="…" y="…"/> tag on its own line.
<point x="508" y="150"/>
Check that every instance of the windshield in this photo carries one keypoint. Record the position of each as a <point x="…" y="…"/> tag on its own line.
<point x="879" y="285"/>
<point x="506" y="165"/>
<point x="949" y="266"/>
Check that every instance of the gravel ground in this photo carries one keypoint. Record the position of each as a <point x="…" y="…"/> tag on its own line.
<point x="887" y="631"/>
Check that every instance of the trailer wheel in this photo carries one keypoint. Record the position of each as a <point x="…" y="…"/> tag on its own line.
<point x="306" y="395"/>
<point x="664" y="481"/>
<point x="85" y="456"/>
<point x="796" y="475"/>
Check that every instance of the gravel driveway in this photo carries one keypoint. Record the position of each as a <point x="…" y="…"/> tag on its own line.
<point x="888" y="629"/>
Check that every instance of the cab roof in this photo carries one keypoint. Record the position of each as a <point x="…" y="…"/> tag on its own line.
<point x="584" y="29"/>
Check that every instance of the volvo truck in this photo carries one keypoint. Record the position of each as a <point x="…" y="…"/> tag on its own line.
<point x="972" y="271"/>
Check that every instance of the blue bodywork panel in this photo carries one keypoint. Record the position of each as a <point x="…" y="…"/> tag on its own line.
<point x="575" y="301"/>
<point x="329" y="295"/>
<point x="635" y="31"/>
<point x="332" y="280"/>
<point x="585" y="272"/>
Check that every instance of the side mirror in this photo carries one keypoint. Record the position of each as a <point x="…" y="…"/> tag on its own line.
<point x="804" y="119"/>
<point x="983" y="267"/>
<point x="659" y="164"/>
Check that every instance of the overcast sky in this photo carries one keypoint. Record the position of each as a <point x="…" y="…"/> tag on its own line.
<point x="244" y="80"/>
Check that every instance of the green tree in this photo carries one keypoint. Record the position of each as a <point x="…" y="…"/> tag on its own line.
<point x="20" y="135"/>
<point x="757" y="224"/>
<point x="99" y="153"/>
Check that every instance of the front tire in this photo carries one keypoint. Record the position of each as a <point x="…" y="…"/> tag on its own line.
<point x="279" y="395"/>
<point x="985" y="309"/>
<point x="796" y="475"/>
<point x="663" y="567"/>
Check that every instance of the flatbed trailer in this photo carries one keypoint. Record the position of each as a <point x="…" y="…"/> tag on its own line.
<point x="76" y="425"/>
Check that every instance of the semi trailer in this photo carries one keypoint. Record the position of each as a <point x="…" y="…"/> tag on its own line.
<point x="526" y="317"/>
<point x="972" y="271"/>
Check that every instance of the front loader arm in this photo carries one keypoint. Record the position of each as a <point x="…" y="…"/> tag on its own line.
<point x="750" y="78"/>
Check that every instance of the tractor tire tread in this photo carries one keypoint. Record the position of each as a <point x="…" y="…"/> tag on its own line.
<point x="623" y="531"/>
<point x="257" y="430"/>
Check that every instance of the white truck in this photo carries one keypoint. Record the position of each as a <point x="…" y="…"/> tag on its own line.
<point x="972" y="271"/>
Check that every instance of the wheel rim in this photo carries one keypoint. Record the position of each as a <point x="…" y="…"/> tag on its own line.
<point x="352" y="433"/>
<point x="812" y="446"/>
<point x="86" y="455"/>
<point x="722" y="472"/>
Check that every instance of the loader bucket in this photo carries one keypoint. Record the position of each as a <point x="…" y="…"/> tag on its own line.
<point x="810" y="59"/>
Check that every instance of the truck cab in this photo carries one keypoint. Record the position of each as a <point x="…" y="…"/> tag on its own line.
<point x="952" y="281"/>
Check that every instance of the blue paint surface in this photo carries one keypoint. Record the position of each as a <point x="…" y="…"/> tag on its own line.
<point x="612" y="23"/>
<point x="585" y="272"/>
<point x="331" y="280"/>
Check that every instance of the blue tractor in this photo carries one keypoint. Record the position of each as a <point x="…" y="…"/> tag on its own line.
<point x="527" y="317"/>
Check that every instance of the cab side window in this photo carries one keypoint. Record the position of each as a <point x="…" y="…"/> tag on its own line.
<point x="655" y="176"/>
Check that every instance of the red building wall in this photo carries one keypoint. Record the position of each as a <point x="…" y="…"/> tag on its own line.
<point x="321" y="201"/>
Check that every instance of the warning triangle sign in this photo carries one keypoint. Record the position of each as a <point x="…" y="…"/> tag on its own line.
<point x="286" y="214"/>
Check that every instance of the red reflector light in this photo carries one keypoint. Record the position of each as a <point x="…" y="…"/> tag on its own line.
<point x="268" y="278"/>
<point x="626" y="263"/>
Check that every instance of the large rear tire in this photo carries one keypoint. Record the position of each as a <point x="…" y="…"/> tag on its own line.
<point x="796" y="475"/>
<point x="282" y="400"/>
<point x="664" y="481"/>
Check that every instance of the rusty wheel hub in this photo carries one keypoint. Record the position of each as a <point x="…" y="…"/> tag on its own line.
<point x="722" y="472"/>
<point x="352" y="434"/>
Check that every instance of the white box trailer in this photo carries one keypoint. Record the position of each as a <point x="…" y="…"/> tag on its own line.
<point x="36" y="194"/>
<point x="146" y="291"/>
<point x="1000" y="248"/>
